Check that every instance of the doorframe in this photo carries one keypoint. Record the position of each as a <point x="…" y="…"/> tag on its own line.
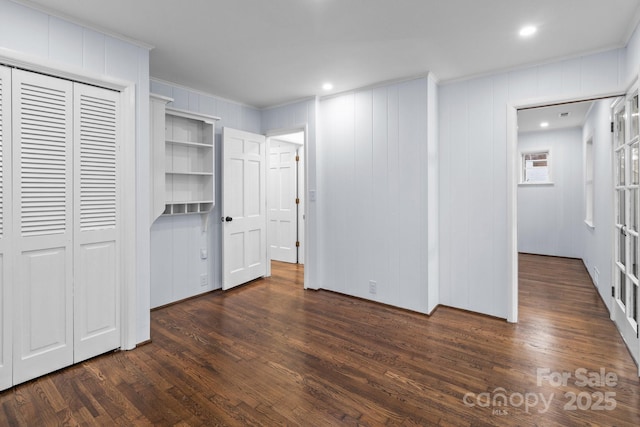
<point x="272" y="133"/>
<point x="512" y="183"/>
<point x="128" y="256"/>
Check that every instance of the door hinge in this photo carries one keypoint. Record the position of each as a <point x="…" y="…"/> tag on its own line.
<point x="297" y="244"/>
<point x="611" y="127"/>
<point x="297" y="158"/>
<point x="297" y="201"/>
<point x="613" y="291"/>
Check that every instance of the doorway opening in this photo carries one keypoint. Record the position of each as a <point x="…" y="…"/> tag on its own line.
<point x="550" y="184"/>
<point x="286" y="202"/>
<point x="575" y="172"/>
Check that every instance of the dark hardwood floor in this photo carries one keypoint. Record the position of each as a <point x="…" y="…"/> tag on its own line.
<point x="270" y="353"/>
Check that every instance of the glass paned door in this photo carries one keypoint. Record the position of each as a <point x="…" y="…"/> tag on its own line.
<point x="626" y="182"/>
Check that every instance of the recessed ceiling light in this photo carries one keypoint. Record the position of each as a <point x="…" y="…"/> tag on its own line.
<point x="528" y="31"/>
<point x="327" y="86"/>
<point x="544" y="124"/>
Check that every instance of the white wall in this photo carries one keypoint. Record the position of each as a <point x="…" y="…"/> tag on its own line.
<point x="373" y="194"/>
<point x="598" y="249"/>
<point x="473" y="168"/>
<point x="551" y="217"/>
<point x="176" y="240"/>
<point x="59" y="42"/>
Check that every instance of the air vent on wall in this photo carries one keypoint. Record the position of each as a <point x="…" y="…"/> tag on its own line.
<point x="562" y="115"/>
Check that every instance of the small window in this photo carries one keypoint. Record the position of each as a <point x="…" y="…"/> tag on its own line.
<point x="535" y="168"/>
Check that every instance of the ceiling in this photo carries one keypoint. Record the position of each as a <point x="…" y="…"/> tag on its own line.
<point x="265" y="53"/>
<point x="529" y="120"/>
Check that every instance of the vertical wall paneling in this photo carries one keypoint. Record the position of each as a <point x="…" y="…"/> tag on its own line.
<point x="362" y="196"/>
<point x="380" y="203"/>
<point x="65" y="42"/>
<point x="373" y="171"/>
<point x="21" y="29"/>
<point x="431" y="269"/>
<point x="480" y="163"/>
<point x="462" y="134"/>
<point x="42" y="224"/>
<point x="393" y="196"/>
<point x="412" y="136"/>
<point x="597" y="253"/>
<point x="501" y="163"/>
<point x="6" y="356"/>
<point x="93" y="51"/>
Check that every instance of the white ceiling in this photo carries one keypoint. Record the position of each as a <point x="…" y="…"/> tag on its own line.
<point x="266" y="52"/>
<point x="529" y="120"/>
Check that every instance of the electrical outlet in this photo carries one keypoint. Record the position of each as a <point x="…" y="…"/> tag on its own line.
<point x="373" y="287"/>
<point x="204" y="280"/>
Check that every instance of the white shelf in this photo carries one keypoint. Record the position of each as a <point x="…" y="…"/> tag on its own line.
<point x="189" y="173"/>
<point x="189" y="143"/>
<point x="187" y="176"/>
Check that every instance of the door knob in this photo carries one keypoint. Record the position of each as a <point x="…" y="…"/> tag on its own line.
<point x="228" y="219"/>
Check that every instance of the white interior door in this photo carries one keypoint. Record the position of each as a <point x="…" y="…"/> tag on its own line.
<point x="6" y="356"/>
<point x="42" y="224"/>
<point x="626" y="232"/>
<point x="283" y="201"/>
<point x="96" y="225"/>
<point x="244" y="244"/>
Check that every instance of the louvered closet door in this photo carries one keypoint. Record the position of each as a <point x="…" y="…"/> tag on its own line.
<point x="42" y="224"/>
<point x="96" y="228"/>
<point x="5" y="245"/>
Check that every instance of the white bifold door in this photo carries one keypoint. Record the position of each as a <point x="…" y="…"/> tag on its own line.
<point x="244" y="217"/>
<point x="63" y="223"/>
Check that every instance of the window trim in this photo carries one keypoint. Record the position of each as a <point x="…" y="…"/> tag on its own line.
<point x="549" y="180"/>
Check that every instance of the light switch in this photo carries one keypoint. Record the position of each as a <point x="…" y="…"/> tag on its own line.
<point x="312" y="195"/>
<point x="203" y="254"/>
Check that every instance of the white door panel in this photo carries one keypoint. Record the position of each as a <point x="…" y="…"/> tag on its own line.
<point x="42" y="224"/>
<point x="45" y="315"/>
<point x="96" y="225"/>
<point x="283" y="227"/>
<point x="6" y="349"/>
<point x="244" y="250"/>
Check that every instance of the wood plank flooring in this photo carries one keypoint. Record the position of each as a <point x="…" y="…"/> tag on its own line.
<point x="270" y="353"/>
